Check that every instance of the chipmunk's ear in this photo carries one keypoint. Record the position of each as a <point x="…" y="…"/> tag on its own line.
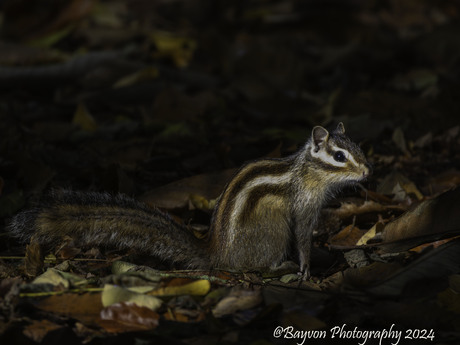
<point x="319" y="136"/>
<point x="340" y="128"/>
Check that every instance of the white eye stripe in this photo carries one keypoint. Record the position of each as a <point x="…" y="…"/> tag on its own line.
<point x="327" y="158"/>
<point x="348" y="155"/>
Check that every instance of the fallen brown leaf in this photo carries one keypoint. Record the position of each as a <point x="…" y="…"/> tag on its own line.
<point x="347" y="236"/>
<point x="83" y="307"/>
<point x="437" y="218"/>
<point x="37" y="330"/>
<point x="33" y="263"/>
<point x="238" y="299"/>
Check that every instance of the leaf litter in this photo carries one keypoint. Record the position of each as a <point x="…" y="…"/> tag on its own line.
<point x="165" y="100"/>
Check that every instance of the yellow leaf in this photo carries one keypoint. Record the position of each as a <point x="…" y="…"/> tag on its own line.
<point x="56" y="277"/>
<point x="179" y="48"/>
<point x="114" y="294"/>
<point x="377" y="228"/>
<point x="197" y="288"/>
<point x="53" y="277"/>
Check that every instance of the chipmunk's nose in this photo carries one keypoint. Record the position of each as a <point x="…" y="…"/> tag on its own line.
<point x="367" y="170"/>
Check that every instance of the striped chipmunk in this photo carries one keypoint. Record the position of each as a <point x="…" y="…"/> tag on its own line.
<point x="266" y="212"/>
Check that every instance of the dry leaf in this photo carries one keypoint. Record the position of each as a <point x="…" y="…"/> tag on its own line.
<point x="33" y="263"/>
<point x="114" y="294"/>
<point x="432" y="217"/>
<point x="238" y="299"/>
<point x="127" y="317"/>
<point x="440" y="262"/>
<point x="53" y="277"/>
<point x="68" y="252"/>
<point x="37" y="330"/>
<point x="84" y="307"/>
<point x="348" y="210"/>
<point x="372" y="233"/>
<point x="347" y="236"/>
<point x="398" y="185"/>
<point x="446" y="180"/>
<point x="434" y="244"/>
<point x="172" y="315"/>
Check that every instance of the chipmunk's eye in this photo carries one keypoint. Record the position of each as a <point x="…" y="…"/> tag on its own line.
<point x="339" y="156"/>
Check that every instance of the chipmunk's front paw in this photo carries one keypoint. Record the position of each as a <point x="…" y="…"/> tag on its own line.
<point x="304" y="274"/>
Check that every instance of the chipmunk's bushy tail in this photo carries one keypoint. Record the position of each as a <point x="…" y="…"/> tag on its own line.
<point x="100" y="219"/>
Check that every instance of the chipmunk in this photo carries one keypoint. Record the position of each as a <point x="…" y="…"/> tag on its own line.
<point x="269" y="208"/>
